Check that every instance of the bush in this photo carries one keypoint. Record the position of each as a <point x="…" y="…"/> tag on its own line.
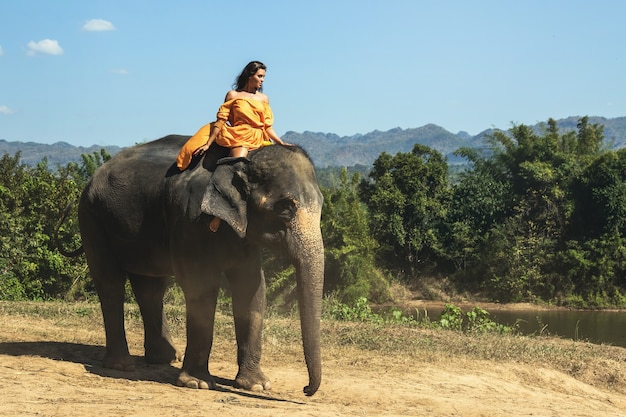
<point x="476" y="320"/>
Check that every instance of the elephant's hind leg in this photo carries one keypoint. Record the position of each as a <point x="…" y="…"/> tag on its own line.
<point x="110" y="283"/>
<point x="111" y="294"/>
<point x="109" y="280"/>
<point x="149" y="292"/>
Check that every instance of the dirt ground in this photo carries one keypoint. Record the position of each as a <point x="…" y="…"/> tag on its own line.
<point x="49" y="368"/>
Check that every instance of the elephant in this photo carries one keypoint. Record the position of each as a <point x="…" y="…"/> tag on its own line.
<point x="143" y="219"/>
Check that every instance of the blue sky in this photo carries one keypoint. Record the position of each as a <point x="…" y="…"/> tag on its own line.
<point x="119" y="72"/>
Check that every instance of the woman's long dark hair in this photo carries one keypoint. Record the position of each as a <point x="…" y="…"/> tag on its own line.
<point x="248" y="72"/>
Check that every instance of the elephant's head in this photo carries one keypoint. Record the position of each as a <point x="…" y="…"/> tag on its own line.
<point x="274" y="199"/>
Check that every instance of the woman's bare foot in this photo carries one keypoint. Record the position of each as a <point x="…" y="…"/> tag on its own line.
<point x="215" y="224"/>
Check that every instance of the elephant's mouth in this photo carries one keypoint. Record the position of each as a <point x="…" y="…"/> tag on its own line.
<point x="273" y="239"/>
<point x="268" y="231"/>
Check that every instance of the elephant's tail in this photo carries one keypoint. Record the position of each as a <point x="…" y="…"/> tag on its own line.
<point x="59" y="245"/>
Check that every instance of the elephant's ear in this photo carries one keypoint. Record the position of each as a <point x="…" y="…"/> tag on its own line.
<point x="226" y="195"/>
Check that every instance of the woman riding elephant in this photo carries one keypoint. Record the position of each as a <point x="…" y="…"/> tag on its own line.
<point x="244" y="122"/>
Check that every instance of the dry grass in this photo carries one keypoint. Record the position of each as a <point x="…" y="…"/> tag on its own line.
<point x="346" y="344"/>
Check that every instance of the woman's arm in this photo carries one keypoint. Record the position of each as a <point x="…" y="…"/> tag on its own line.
<point x="215" y="130"/>
<point x="217" y="126"/>
<point x="274" y="136"/>
<point x="270" y="130"/>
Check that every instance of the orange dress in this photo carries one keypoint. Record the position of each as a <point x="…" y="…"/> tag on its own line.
<point x="242" y="122"/>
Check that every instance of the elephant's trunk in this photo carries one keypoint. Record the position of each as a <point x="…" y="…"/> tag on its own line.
<point x="307" y="250"/>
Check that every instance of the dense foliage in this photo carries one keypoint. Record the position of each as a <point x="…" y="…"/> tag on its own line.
<point x="535" y="216"/>
<point x="31" y="200"/>
<point x="542" y="224"/>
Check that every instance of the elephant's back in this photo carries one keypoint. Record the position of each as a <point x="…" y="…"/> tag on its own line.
<point x="157" y="152"/>
<point x="144" y="163"/>
<point x="126" y="193"/>
<point x="136" y="176"/>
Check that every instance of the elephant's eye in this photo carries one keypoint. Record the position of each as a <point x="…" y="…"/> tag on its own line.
<point x="285" y="209"/>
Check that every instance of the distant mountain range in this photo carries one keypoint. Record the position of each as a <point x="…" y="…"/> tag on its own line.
<point x="328" y="149"/>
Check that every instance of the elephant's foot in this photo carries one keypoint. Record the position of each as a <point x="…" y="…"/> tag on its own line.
<point x="162" y="352"/>
<point x="253" y="381"/>
<point x="205" y="381"/>
<point x="119" y="362"/>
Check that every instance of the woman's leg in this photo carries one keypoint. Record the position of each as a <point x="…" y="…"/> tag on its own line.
<point x="240" y="152"/>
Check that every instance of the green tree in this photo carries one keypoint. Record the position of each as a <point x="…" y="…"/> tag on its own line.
<point x="481" y="198"/>
<point x="349" y="247"/>
<point x="600" y="197"/>
<point x="12" y="174"/>
<point x="31" y="201"/>
<point x="595" y="255"/>
<point x="92" y="161"/>
<point x="407" y="196"/>
<point x="513" y="211"/>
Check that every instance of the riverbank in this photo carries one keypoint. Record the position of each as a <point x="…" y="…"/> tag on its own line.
<point x="433" y="295"/>
<point x="599" y="326"/>
<point x="50" y="364"/>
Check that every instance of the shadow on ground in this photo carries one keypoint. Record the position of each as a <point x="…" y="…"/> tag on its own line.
<point x="90" y="357"/>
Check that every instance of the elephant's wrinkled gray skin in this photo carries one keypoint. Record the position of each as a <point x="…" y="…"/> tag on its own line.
<point x="141" y="218"/>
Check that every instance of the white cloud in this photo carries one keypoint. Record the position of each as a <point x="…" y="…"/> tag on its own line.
<point x="120" y="71"/>
<point x="46" y="46"/>
<point x="1" y="51"/>
<point x="98" y="25"/>
<point x="6" y="110"/>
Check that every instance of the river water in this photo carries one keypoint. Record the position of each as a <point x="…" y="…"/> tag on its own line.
<point x="608" y="327"/>
<point x="601" y="327"/>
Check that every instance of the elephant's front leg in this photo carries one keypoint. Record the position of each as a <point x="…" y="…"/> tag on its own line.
<point x="248" y="291"/>
<point x="200" y="319"/>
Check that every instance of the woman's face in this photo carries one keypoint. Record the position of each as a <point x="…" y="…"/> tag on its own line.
<point x="255" y="82"/>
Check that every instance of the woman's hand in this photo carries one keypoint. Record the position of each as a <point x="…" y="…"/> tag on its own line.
<point x="202" y="149"/>
<point x="280" y="141"/>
